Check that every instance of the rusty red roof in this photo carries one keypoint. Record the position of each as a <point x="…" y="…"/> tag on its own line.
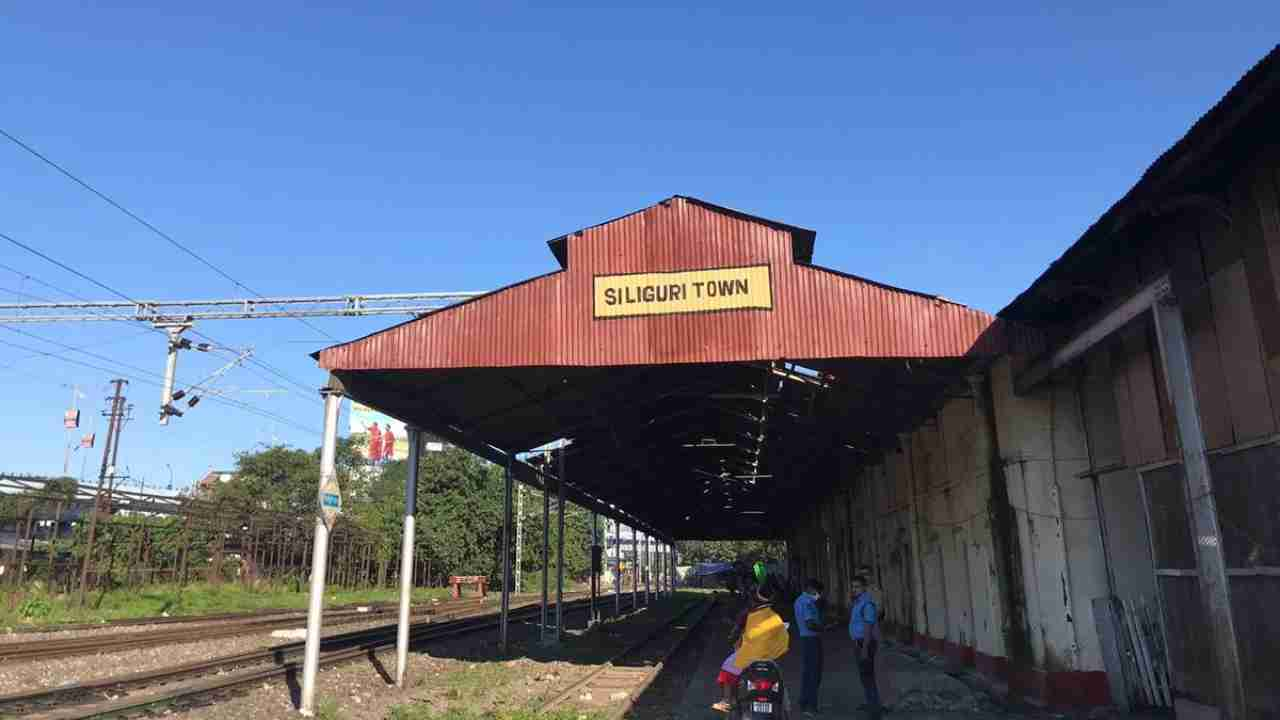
<point x="816" y="313"/>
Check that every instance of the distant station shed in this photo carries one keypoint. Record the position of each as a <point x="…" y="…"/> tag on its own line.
<point x="709" y="378"/>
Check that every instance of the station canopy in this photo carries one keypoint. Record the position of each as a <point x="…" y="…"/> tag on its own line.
<point x="710" y="382"/>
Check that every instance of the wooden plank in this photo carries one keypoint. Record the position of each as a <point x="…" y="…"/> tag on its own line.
<point x="1151" y="625"/>
<point x="1147" y="423"/>
<point x="1102" y="418"/>
<point x="1140" y="654"/>
<point x="1202" y="505"/>
<point x="1261" y="281"/>
<point x="1251" y="411"/>
<point x="1124" y="406"/>
<point x="1257" y="261"/>
<point x="1206" y="359"/>
<point x="1186" y="269"/>
<point x="1266" y="196"/>
<point x="1168" y="423"/>
<point x="1221" y="246"/>
<point x="1152" y="250"/>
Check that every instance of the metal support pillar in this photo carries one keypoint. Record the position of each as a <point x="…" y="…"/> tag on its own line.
<point x="675" y="568"/>
<point x="617" y="568"/>
<point x="1201" y="505"/>
<point x="319" y="554"/>
<point x="595" y="566"/>
<point x="519" y="561"/>
<point x="406" y="552"/>
<point x="666" y="568"/>
<point x="658" y="568"/>
<point x="664" y="577"/>
<point x="560" y="546"/>
<point x="546" y="565"/>
<point x="506" y="556"/>
<point x="648" y="581"/>
<point x="635" y="569"/>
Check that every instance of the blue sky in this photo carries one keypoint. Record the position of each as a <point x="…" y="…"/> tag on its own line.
<point x="420" y="146"/>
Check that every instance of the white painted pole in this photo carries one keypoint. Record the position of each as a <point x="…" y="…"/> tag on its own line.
<point x="657" y="569"/>
<point x="406" y="553"/>
<point x="560" y="547"/>
<point x="617" y="568"/>
<point x="675" y="568"/>
<point x="519" y="567"/>
<point x="319" y="555"/>
<point x="546" y="564"/>
<point x="664" y="581"/>
<point x="635" y="569"/>
<point x="506" y="554"/>
<point x="648" y="581"/>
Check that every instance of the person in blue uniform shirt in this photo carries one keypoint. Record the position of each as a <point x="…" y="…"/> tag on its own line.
<point x="809" y="623"/>
<point x="864" y="631"/>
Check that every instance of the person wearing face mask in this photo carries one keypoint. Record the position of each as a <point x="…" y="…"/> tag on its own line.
<point x="864" y="630"/>
<point x="809" y="622"/>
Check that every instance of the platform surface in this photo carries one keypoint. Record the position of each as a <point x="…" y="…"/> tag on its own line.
<point x="903" y="680"/>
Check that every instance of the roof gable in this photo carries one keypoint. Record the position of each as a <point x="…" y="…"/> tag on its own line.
<point x="802" y="239"/>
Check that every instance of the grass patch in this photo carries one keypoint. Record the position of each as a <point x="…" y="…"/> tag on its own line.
<point x="327" y="709"/>
<point x="195" y="599"/>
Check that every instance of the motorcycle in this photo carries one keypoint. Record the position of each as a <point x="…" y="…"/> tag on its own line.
<point x="760" y="693"/>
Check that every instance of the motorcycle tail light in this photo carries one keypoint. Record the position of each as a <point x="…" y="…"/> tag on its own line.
<point x="759" y="684"/>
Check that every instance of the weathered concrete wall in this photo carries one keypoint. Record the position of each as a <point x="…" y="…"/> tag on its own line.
<point x="927" y="520"/>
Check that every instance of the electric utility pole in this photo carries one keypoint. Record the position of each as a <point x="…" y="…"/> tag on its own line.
<point x="109" y="449"/>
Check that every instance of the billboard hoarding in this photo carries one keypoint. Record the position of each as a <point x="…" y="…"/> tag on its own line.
<point x="385" y="437"/>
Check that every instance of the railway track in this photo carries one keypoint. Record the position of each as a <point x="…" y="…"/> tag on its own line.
<point x="229" y="626"/>
<point x="190" y="619"/>
<point x="612" y="689"/>
<point x="124" y="693"/>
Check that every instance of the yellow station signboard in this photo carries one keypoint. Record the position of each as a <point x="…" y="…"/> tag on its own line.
<point x="686" y="291"/>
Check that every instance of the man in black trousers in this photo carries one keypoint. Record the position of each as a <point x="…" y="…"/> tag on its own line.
<point x="809" y="624"/>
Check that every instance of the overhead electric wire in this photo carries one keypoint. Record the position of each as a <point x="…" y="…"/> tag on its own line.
<point x="143" y="222"/>
<point x="12" y="366"/>
<point x="68" y="268"/>
<point x="119" y="294"/>
<point x="21" y="294"/>
<point x="145" y="372"/>
<point x="72" y="348"/>
<point x="28" y="276"/>
<point x="218" y="398"/>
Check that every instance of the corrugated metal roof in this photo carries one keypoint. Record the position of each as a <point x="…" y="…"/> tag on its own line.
<point x="1169" y="174"/>
<point x="548" y="321"/>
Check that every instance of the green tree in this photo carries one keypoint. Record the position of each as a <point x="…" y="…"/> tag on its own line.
<point x="285" y="479"/>
<point x="577" y="541"/>
<point x="701" y="551"/>
<point x="379" y="509"/>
